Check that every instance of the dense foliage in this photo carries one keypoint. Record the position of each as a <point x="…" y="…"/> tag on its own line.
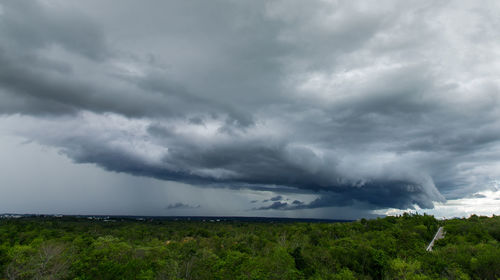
<point x="387" y="248"/>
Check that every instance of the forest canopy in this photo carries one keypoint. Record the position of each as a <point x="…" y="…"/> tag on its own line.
<point x="384" y="248"/>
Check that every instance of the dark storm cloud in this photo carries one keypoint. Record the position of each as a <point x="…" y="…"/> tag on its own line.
<point x="356" y="103"/>
<point x="37" y="77"/>
<point x="180" y="205"/>
<point x="376" y="195"/>
<point x="275" y="206"/>
<point x="263" y="169"/>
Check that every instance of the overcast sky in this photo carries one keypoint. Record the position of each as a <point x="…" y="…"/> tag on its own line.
<point x="327" y="109"/>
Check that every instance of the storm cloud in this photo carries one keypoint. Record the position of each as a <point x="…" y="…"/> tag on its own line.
<point x="180" y="205"/>
<point x="387" y="105"/>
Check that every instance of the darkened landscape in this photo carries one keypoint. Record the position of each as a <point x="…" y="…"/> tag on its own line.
<point x="47" y="247"/>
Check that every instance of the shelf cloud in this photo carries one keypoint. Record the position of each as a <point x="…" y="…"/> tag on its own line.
<point x="389" y="104"/>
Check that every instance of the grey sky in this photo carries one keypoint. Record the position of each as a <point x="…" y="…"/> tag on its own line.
<point x="329" y="105"/>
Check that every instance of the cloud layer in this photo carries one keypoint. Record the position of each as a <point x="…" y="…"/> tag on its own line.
<point x="385" y="105"/>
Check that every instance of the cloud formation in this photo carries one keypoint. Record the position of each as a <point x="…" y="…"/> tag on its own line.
<point x="180" y="205"/>
<point x="485" y="203"/>
<point x="390" y="104"/>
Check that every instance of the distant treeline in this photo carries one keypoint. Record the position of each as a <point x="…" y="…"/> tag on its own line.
<point x="384" y="248"/>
